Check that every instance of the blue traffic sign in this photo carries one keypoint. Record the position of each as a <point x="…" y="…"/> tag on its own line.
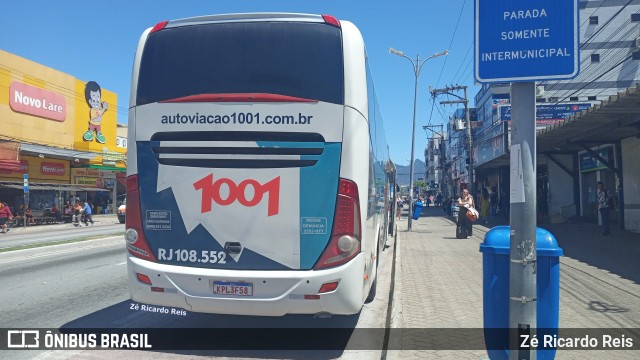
<point x="526" y="40"/>
<point x="548" y="112"/>
<point x="26" y="182"/>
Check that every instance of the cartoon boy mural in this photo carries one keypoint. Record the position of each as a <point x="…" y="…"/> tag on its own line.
<point x="97" y="108"/>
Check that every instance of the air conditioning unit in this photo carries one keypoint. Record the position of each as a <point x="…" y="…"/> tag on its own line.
<point x="539" y="91"/>
<point x="459" y="124"/>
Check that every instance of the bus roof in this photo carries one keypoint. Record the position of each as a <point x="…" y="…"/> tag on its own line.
<point x="246" y="17"/>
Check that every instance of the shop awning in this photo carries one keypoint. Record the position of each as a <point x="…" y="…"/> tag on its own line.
<point x="608" y="122"/>
<point x="58" y="153"/>
<point x="92" y="189"/>
<point x="49" y="187"/>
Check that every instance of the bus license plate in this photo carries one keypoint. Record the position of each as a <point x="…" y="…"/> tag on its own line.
<point x="233" y="288"/>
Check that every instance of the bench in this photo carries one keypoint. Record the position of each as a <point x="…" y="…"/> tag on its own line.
<point x="40" y="217"/>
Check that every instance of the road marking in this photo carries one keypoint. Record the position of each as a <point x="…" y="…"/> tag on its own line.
<point x="122" y="263"/>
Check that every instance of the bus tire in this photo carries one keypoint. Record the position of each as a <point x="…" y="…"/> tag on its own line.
<point x="372" y="290"/>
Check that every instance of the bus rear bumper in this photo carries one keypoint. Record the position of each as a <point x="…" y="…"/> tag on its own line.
<point x="273" y="293"/>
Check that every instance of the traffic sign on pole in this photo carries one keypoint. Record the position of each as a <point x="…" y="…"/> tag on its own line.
<point x="526" y="40"/>
<point x="26" y="183"/>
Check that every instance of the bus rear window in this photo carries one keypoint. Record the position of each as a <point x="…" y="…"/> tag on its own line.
<point x="286" y="58"/>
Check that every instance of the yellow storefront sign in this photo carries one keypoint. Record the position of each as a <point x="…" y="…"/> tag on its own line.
<point x="89" y="181"/>
<point x="37" y="109"/>
<point x="39" y="170"/>
<point x="40" y="105"/>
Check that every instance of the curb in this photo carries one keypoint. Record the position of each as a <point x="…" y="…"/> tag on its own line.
<point x="396" y="305"/>
<point x="396" y="321"/>
<point x="100" y="220"/>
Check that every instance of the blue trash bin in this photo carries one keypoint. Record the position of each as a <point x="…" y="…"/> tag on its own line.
<point x="417" y="209"/>
<point x="495" y="285"/>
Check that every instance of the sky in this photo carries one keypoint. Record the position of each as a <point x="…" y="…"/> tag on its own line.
<point x="97" y="41"/>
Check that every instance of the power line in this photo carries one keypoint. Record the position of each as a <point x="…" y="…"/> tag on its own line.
<point x="455" y="30"/>
<point x="463" y="61"/>
<point x="609" y="60"/>
<point x="445" y="60"/>
<point x="592" y="81"/>
<point x="585" y="60"/>
<point x="605" y="24"/>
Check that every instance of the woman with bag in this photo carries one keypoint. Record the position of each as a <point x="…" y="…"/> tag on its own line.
<point x="466" y="215"/>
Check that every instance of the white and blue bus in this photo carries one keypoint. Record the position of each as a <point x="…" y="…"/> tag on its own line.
<point x="259" y="179"/>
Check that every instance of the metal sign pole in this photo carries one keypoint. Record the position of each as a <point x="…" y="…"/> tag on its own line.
<point x="522" y="274"/>
<point x="25" y="178"/>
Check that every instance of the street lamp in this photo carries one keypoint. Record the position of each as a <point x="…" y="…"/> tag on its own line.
<point x="417" y="66"/>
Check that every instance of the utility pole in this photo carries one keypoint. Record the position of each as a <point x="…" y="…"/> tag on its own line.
<point x="441" y="156"/>
<point x="463" y="100"/>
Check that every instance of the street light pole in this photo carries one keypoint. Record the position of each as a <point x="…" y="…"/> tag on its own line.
<point x="417" y="67"/>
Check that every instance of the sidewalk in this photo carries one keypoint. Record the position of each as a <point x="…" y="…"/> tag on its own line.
<point x="98" y="219"/>
<point x="439" y="284"/>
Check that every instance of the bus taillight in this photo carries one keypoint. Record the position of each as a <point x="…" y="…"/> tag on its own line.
<point x="331" y="20"/>
<point x="345" y="237"/>
<point x="159" y="26"/>
<point x="136" y="243"/>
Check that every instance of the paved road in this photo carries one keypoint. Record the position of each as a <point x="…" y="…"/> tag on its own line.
<point x="83" y="285"/>
<point x="19" y="236"/>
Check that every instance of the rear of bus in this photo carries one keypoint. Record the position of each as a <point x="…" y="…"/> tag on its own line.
<point x="247" y="183"/>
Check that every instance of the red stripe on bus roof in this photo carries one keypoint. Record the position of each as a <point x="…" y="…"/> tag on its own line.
<point x="249" y="97"/>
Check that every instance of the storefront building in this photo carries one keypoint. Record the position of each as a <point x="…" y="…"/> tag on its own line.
<point x="594" y="143"/>
<point x="61" y="133"/>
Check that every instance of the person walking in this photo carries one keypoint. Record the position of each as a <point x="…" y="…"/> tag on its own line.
<point x="505" y="205"/>
<point x="484" y="206"/>
<point x="5" y="215"/>
<point x="87" y="214"/>
<point x="604" y="199"/>
<point x="399" y="204"/>
<point x="77" y="209"/>
<point x="493" y="202"/>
